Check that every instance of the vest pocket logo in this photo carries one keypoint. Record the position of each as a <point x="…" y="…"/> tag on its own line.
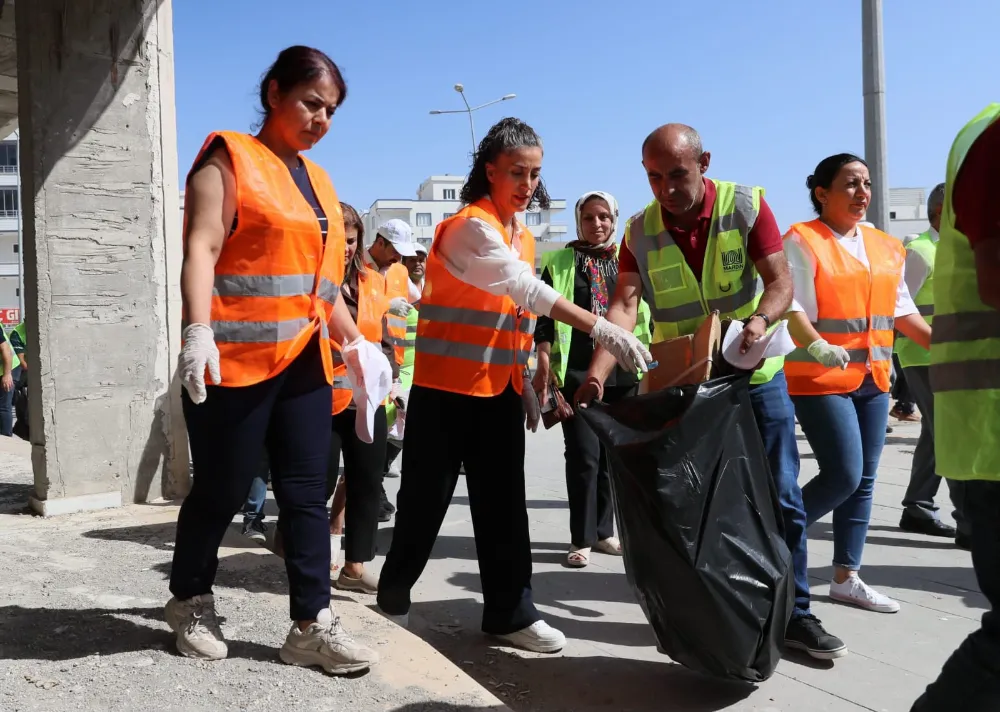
<point x="733" y="260"/>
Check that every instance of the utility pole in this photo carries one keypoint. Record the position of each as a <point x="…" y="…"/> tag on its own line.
<point x="876" y="153"/>
<point x="469" y="109"/>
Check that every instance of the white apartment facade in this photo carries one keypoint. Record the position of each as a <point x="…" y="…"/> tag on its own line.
<point x="10" y="244"/>
<point x="907" y="211"/>
<point x="437" y="199"/>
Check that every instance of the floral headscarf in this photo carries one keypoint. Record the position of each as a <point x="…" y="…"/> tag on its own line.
<point x="597" y="261"/>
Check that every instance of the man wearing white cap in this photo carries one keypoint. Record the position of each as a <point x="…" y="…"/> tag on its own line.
<point x="394" y="241"/>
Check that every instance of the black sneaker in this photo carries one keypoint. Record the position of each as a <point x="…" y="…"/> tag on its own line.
<point x="806" y="633"/>
<point x="385" y="508"/>
<point x="255" y="529"/>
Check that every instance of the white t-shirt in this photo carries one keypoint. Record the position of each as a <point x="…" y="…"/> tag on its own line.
<point x="917" y="268"/>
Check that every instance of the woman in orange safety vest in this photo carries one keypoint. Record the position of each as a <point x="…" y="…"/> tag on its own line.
<point x="260" y="283"/>
<point x="849" y="297"/>
<point x="471" y="386"/>
<point x="367" y="297"/>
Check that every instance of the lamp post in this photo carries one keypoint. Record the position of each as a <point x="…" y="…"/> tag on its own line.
<point x="873" y="68"/>
<point x="469" y="109"/>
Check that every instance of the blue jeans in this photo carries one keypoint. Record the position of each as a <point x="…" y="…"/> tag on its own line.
<point x="7" y="405"/>
<point x="846" y="432"/>
<point x="254" y="506"/>
<point x="775" y="417"/>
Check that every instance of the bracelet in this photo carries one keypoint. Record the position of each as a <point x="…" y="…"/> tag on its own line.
<point x="767" y="322"/>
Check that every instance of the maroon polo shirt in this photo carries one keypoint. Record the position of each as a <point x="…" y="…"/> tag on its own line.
<point x="764" y="238"/>
<point x="977" y="186"/>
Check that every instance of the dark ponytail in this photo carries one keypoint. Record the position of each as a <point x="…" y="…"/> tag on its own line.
<point x="506" y="135"/>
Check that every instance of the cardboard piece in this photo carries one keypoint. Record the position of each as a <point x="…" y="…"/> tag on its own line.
<point x="685" y="359"/>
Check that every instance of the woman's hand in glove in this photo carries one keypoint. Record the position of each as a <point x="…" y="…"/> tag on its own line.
<point x="400" y="307"/>
<point x="623" y="345"/>
<point x="198" y="353"/>
<point x="829" y="355"/>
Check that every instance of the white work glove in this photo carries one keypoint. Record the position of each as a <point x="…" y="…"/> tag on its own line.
<point x="829" y="355"/>
<point x="623" y="345"/>
<point x="198" y="353"/>
<point x="370" y="375"/>
<point x="352" y="359"/>
<point x="400" y="307"/>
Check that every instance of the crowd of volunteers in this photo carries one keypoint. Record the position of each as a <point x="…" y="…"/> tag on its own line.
<point x="303" y="345"/>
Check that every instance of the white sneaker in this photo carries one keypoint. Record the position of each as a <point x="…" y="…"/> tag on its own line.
<point x="197" y="627"/>
<point x="396" y="468"/>
<point x="539" y="637"/>
<point x="327" y="644"/>
<point x="402" y="621"/>
<point x="856" y="592"/>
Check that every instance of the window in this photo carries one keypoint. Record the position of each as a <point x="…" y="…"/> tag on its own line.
<point x="16" y="248"/>
<point x="892" y="215"/>
<point x="533" y="219"/>
<point x="17" y="291"/>
<point x="449" y="193"/>
<point x="8" y="203"/>
<point x="8" y="157"/>
<point x="423" y="219"/>
<point x="447" y="215"/>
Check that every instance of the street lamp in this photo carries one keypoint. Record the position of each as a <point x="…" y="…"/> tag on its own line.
<point x="469" y="109"/>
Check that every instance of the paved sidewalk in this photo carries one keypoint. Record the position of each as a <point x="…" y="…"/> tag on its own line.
<point x="611" y="665"/>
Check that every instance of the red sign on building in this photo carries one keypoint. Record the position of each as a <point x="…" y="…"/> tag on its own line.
<point x="10" y="317"/>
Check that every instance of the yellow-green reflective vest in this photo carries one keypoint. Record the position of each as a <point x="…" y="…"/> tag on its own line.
<point x="965" y="344"/>
<point x="909" y="352"/>
<point x="405" y="368"/>
<point x="561" y="265"/>
<point x="729" y="283"/>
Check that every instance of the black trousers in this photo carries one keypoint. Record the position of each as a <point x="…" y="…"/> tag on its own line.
<point x="289" y="416"/>
<point x="362" y="478"/>
<point x="588" y="479"/>
<point x="443" y="430"/>
<point x="970" y="679"/>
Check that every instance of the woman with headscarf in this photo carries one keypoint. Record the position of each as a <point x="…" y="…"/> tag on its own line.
<point x="585" y="272"/>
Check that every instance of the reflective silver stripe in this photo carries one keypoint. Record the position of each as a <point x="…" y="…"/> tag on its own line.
<point x="881" y="353"/>
<point x="258" y="332"/>
<point x="966" y="326"/>
<point x="926" y="309"/>
<point x="407" y="343"/>
<point x="682" y="312"/>
<point x="470" y="352"/>
<point x="341" y="383"/>
<point x="467" y="317"/>
<point x="981" y="375"/>
<point x="883" y="323"/>
<point x="328" y="291"/>
<point x="731" y="302"/>
<point x="800" y="355"/>
<point x="396" y="322"/>
<point x="527" y="326"/>
<point x="258" y="285"/>
<point x="324" y="330"/>
<point x="853" y="326"/>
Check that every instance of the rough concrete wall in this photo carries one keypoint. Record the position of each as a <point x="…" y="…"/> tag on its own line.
<point x="100" y="230"/>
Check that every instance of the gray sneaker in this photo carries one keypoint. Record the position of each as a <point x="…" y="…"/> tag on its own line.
<point x="327" y="644"/>
<point x="197" y="627"/>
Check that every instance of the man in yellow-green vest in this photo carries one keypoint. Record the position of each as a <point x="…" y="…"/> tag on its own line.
<point x="920" y="513"/>
<point x="585" y="273"/>
<point x="703" y="245"/>
<point x="8" y="381"/>
<point x="965" y="378"/>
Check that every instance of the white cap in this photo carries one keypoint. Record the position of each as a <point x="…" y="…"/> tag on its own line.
<point x="399" y="235"/>
<point x="420" y="249"/>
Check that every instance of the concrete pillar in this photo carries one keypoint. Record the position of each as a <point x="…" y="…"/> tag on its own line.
<point x="102" y="251"/>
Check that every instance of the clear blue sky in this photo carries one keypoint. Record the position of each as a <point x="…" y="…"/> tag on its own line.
<point x="773" y="87"/>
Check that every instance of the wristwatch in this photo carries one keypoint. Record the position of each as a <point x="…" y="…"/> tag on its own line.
<point x="767" y="322"/>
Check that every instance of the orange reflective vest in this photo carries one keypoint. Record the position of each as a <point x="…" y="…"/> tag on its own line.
<point x="275" y="280"/>
<point x="856" y="310"/>
<point x="372" y="304"/>
<point x="468" y="340"/>
<point x="397" y="281"/>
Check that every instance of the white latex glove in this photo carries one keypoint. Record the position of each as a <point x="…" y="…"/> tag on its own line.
<point x="352" y="358"/>
<point x="829" y="355"/>
<point x="370" y="375"/>
<point x="400" y="307"/>
<point x="623" y="345"/>
<point x="198" y="353"/>
<point x="396" y="391"/>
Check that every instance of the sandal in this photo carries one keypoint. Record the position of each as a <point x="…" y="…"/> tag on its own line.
<point x="610" y="546"/>
<point x="578" y="557"/>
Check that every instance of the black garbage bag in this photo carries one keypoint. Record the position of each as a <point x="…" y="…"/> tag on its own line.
<point x="20" y="402"/>
<point x="700" y="525"/>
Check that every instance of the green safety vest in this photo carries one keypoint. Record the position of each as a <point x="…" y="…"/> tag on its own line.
<point x="965" y="344"/>
<point x="909" y="352"/>
<point x="19" y="332"/>
<point x="405" y="368"/>
<point x="679" y="301"/>
<point x="15" y="361"/>
<point x="561" y="265"/>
